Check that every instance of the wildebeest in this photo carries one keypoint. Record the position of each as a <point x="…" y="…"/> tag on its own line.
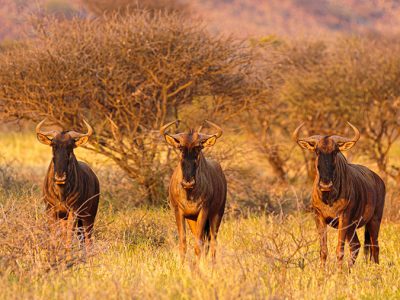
<point x="197" y="189"/>
<point x="345" y="196"/>
<point x="71" y="189"/>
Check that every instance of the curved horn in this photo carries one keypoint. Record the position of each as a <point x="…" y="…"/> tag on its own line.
<point x="75" y="134"/>
<point x="341" y="139"/>
<point x="166" y="126"/>
<point x="219" y="129"/>
<point x="200" y="128"/>
<point x="306" y="143"/>
<point x="52" y="133"/>
<point x="313" y="138"/>
<point x="356" y="136"/>
<point x="295" y="134"/>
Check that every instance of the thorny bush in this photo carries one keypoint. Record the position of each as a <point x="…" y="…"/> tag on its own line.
<point x="127" y="75"/>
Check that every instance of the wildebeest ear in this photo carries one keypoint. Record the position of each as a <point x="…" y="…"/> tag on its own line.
<point x="345" y="145"/>
<point x="43" y="139"/>
<point x="81" y="141"/>
<point x="307" y="145"/>
<point x="209" y="142"/>
<point x="171" y="140"/>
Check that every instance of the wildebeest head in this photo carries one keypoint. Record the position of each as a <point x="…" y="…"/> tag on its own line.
<point x="63" y="144"/>
<point x="326" y="148"/>
<point x="190" y="145"/>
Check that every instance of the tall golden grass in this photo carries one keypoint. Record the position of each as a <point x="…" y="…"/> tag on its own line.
<point x="136" y="251"/>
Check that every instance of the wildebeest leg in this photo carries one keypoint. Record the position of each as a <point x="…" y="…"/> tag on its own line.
<point x="214" y="225"/>
<point x="180" y="223"/>
<point x="201" y="222"/>
<point x="206" y="237"/>
<point x="80" y="232"/>
<point x="88" y="230"/>
<point x="69" y="227"/>
<point x="52" y="219"/>
<point x="54" y="226"/>
<point x="192" y="226"/>
<point x="322" y="231"/>
<point x="373" y="229"/>
<point x="367" y="245"/>
<point x="344" y="221"/>
<point x="354" y="244"/>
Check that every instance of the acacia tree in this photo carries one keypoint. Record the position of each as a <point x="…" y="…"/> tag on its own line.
<point x="280" y="104"/>
<point x="353" y="79"/>
<point x="309" y="92"/>
<point x="376" y="92"/>
<point x="127" y="76"/>
<point x="266" y="115"/>
<point x="326" y="84"/>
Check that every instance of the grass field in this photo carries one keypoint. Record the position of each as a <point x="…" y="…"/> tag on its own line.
<point x="136" y="249"/>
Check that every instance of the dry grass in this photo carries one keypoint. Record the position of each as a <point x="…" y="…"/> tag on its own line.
<point x="136" y="256"/>
<point x="136" y="249"/>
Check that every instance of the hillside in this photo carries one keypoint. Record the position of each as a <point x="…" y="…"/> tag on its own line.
<point x="242" y="17"/>
<point x="300" y="17"/>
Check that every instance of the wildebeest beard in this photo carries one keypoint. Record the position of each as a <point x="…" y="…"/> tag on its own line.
<point x="330" y="197"/>
<point x="333" y="195"/>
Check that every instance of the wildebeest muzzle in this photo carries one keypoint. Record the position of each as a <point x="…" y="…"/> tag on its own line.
<point x="60" y="179"/>
<point x="187" y="185"/>
<point x="325" y="187"/>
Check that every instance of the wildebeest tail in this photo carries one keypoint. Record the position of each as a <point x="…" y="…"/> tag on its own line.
<point x="367" y="243"/>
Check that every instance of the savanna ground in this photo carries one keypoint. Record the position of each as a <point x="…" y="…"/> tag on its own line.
<point x="136" y="248"/>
